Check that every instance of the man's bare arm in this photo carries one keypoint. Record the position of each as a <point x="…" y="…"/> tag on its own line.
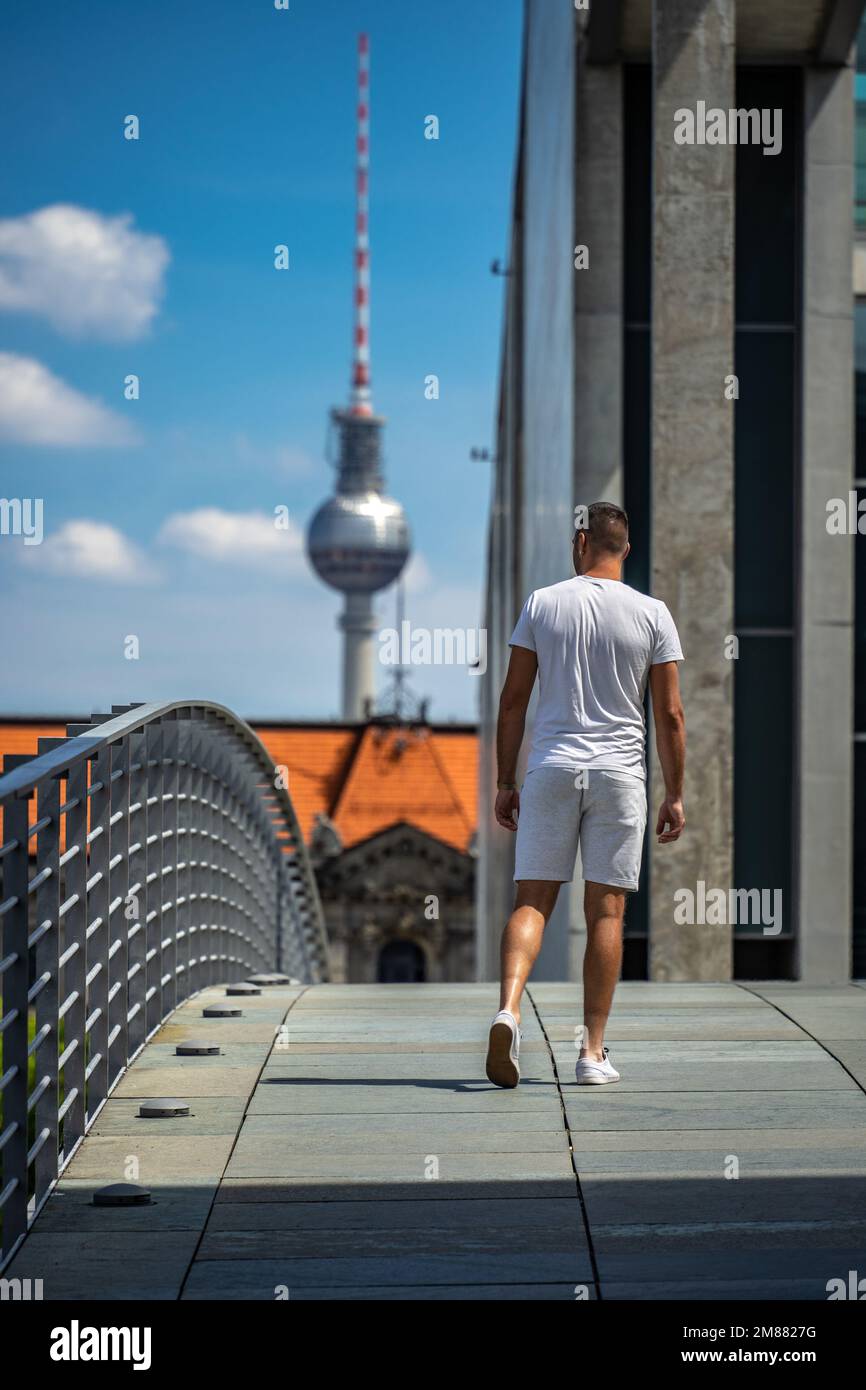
<point x="513" y="703"/>
<point x="670" y="726"/>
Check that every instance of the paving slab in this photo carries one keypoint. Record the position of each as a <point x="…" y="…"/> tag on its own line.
<point x="135" y="1265"/>
<point x="519" y="1214"/>
<point x="688" y="1162"/>
<point x="261" y="1278"/>
<point x="159" y="1157"/>
<point x="361" y="1189"/>
<point x="715" y="1237"/>
<point x="648" y="1263"/>
<point x="386" y="1238"/>
<point x="819" y="1073"/>
<point x="657" y="995"/>
<point x="269" y="1152"/>
<point x="221" y="1030"/>
<point x="807" y="1290"/>
<point x="423" y="1049"/>
<point x="731" y="1050"/>
<point x="417" y="1293"/>
<point x="272" y="1162"/>
<point x="683" y="1026"/>
<point x="589" y="1107"/>
<point x="683" y="1140"/>
<point x="296" y="1096"/>
<point x="614" y="1199"/>
<point x="461" y="1068"/>
<point x="197" y="1079"/>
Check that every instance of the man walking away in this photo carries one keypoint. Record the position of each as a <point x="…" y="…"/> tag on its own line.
<point x="593" y="642"/>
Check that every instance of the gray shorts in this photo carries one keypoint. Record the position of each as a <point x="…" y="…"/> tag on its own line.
<point x="606" y="817"/>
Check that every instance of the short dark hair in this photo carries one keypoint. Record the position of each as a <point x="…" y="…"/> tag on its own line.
<point x="606" y="528"/>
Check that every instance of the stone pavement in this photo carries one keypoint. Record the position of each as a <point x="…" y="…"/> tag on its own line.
<point x="347" y="1145"/>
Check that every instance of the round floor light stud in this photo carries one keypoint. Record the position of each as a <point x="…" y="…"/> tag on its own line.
<point x="122" y="1194"/>
<point x="162" y="1109"/>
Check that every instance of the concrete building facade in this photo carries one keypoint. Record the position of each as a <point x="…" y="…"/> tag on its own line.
<point x="679" y="339"/>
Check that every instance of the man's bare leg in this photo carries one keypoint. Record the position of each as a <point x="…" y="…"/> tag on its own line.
<point x="604" y="908"/>
<point x="534" y="901"/>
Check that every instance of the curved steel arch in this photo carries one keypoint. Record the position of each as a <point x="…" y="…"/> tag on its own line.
<point x="168" y="858"/>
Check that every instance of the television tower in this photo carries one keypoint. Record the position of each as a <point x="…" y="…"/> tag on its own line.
<point x="358" y="541"/>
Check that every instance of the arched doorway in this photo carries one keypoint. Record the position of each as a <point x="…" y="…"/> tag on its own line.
<point x="401" y="962"/>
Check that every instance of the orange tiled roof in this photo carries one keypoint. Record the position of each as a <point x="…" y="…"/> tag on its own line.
<point x="364" y="778"/>
<point x="405" y="775"/>
<point x="24" y="738"/>
<point x="317" y="760"/>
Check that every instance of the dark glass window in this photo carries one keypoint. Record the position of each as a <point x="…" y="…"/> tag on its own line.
<point x="764" y="447"/>
<point x="768" y="202"/>
<point x="766" y="471"/>
<point x="763" y="735"/>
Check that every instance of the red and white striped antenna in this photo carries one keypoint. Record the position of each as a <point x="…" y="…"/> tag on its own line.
<point x="361" y="397"/>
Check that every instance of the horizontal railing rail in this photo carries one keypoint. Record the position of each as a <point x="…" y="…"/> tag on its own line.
<point x="163" y="855"/>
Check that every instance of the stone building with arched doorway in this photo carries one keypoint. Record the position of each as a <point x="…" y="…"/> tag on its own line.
<point x="399" y="907"/>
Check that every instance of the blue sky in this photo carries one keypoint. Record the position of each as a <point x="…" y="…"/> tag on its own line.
<point x="155" y="257"/>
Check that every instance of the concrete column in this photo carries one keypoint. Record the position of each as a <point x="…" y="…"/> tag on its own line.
<point x="598" y="332"/>
<point x="693" y="463"/>
<point x="598" y="290"/>
<point x="823" y="847"/>
<point x="359" y="683"/>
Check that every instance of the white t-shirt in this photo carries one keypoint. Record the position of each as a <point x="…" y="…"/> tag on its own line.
<point x="595" y="640"/>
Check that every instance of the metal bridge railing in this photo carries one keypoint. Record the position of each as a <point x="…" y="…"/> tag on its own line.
<point x="167" y="857"/>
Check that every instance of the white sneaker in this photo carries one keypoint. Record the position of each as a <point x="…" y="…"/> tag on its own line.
<point x="588" y="1072"/>
<point x="503" y="1068"/>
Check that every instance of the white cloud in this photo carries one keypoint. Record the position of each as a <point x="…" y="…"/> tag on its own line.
<point x="85" y="549"/>
<point x="36" y="407"/>
<point x="239" y="538"/>
<point x="88" y="274"/>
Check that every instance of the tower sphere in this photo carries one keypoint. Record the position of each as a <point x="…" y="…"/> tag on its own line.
<point x="360" y="542"/>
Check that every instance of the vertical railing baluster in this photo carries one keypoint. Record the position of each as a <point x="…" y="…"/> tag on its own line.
<point x="98" y="932"/>
<point x="224" y="887"/>
<point x="135" y="912"/>
<point x="73" y="975"/>
<point x="169" y="877"/>
<point x="119" y="885"/>
<point x="203" y="915"/>
<point x="235" y="866"/>
<point x="15" y="986"/>
<point x="155" y="776"/>
<point x="279" y="890"/>
<point x="47" y="966"/>
<point x="214" y="928"/>
<point x="194" y="838"/>
<point x="181" y="859"/>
